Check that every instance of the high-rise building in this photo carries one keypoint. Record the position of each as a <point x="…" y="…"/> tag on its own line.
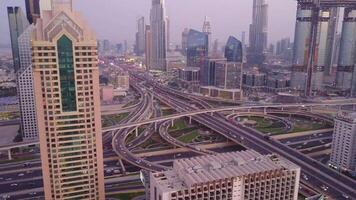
<point x="140" y="37"/>
<point x="244" y="175"/>
<point x="207" y="30"/>
<point x="307" y="78"/>
<point x="159" y="35"/>
<point x="185" y="41"/>
<point x="17" y="24"/>
<point x="344" y="142"/>
<point x="346" y="70"/>
<point x="20" y="31"/>
<point x="148" y="47"/>
<point x="66" y="79"/>
<point x="25" y="87"/>
<point x="258" y="32"/>
<point x="33" y="11"/>
<point x="197" y="48"/>
<point x="228" y="75"/>
<point x="233" y="50"/>
<point x="208" y="71"/>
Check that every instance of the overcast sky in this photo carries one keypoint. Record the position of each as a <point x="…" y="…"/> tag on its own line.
<point x="116" y="19"/>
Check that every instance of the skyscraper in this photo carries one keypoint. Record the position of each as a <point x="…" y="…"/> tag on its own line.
<point x="207" y="31"/>
<point x="258" y="32"/>
<point x="312" y="49"/>
<point x="20" y="31"/>
<point x="344" y="142"/>
<point x="159" y="35"/>
<point x="148" y="47"/>
<point x="17" y="24"/>
<point x="198" y="47"/>
<point x="346" y="70"/>
<point x="66" y="79"/>
<point x="233" y="50"/>
<point x="25" y="87"/>
<point x="140" y="37"/>
<point x="185" y="41"/>
<point x="33" y="10"/>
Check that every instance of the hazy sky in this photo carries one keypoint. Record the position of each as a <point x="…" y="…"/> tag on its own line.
<point x="116" y="19"/>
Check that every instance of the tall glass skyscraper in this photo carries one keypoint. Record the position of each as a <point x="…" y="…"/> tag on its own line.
<point x="346" y="69"/>
<point x="159" y="35"/>
<point x="233" y="50"/>
<point x="197" y="48"/>
<point x="258" y="32"/>
<point x="66" y="79"/>
<point x="17" y="24"/>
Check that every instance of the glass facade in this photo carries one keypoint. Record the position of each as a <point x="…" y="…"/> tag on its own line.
<point x="66" y="72"/>
<point x="197" y="48"/>
<point x="233" y="50"/>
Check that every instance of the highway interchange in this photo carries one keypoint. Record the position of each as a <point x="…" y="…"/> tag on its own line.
<point x="147" y="111"/>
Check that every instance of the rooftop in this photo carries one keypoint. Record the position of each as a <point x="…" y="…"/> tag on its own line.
<point x="191" y="171"/>
<point x="346" y="116"/>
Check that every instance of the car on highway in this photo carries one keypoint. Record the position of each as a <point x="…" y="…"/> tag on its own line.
<point x="13" y="184"/>
<point x="345" y="196"/>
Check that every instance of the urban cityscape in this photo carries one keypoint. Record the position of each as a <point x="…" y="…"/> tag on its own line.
<point x="188" y="115"/>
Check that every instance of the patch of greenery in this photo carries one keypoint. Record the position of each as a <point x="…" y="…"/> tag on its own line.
<point x="178" y="125"/>
<point x="189" y="137"/>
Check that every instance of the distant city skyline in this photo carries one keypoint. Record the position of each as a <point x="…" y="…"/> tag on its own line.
<point x="120" y="17"/>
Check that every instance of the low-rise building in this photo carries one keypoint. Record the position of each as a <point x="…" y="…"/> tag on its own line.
<point x="245" y="175"/>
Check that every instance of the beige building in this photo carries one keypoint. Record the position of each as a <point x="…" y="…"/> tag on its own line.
<point x="344" y="142"/>
<point x="245" y="175"/>
<point x="66" y="80"/>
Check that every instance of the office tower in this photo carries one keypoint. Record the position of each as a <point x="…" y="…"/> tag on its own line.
<point x="243" y="38"/>
<point x="346" y="70"/>
<point x="309" y="60"/>
<point x="148" y="47"/>
<point x="258" y="32"/>
<point x="32" y="10"/>
<point x="66" y="80"/>
<point x="233" y="50"/>
<point x="228" y="75"/>
<point x="159" y="35"/>
<point x="207" y="30"/>
<point x="106" y="45"/>
<point x="25" y="87"/>
<point x="17" y="24"/>
<point x="140" y="37"/>
<point x="244" y="175"/>
<point x="197" y="48"/>
<point x="185" y="41"/>
<point x="20" y="39"/>
<point x="344" y="142"/>
<point x="208" y="71"/>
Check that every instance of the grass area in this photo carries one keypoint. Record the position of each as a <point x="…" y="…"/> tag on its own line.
<point x="14" y="160"/>
<point x="303" y="124"/>
<point x="265" y="125"/>
<point x="110" y="120"/>
<point x="178" y="125"/>
<point x="126" y="196"/>
<point x="189" y="137"/>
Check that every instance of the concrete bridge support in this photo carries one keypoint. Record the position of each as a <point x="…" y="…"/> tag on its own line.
<point x="9" y="154"/>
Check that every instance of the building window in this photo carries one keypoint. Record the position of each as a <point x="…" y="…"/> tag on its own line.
<point x="66" y="72"/>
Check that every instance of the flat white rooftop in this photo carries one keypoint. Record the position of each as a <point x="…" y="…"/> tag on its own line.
<point x="202" y="169"/>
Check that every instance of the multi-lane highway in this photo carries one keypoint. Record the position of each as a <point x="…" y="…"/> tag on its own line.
<point x="319" y="173"/>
